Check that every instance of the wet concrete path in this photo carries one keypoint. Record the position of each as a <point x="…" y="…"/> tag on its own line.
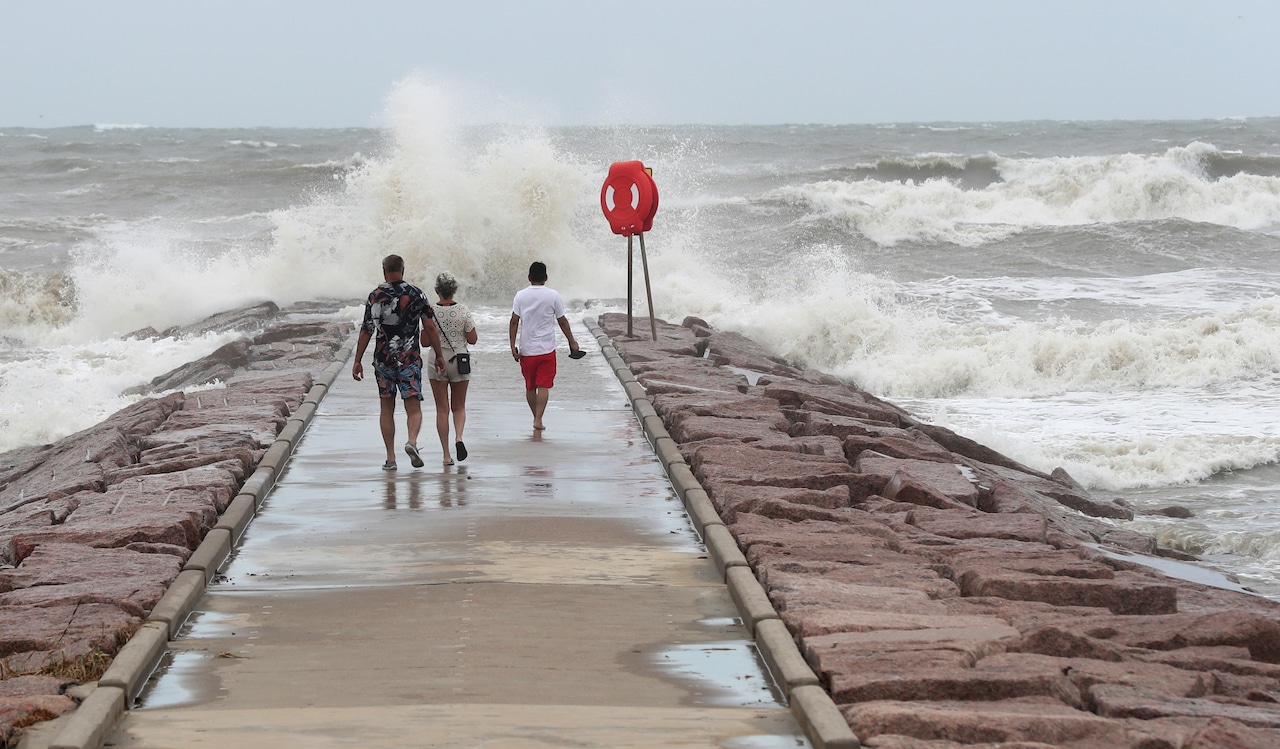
<point x="547" y="592"/>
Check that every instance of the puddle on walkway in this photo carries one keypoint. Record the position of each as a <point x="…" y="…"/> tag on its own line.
<point x="726" y="673"/>
<point x="766" y="742"/>
<point x="182" y="678"/>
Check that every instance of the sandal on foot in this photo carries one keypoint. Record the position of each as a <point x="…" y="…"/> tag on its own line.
<point x="390" y="465"/>
<point x="460" y="449"/>
<point x="412" y="451"/>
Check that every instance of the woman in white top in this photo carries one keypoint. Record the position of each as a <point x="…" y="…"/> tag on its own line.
<point x="457" y="331"/>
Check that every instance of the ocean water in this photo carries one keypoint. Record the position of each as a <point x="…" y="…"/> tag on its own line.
<point x="1099" y="296"/>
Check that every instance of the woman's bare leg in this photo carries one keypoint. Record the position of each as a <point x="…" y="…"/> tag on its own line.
<point x="440" y="391"/>
<point x="458" y="405"/>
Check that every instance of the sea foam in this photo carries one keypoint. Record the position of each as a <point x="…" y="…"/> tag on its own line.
<point x="1059" y="191"/>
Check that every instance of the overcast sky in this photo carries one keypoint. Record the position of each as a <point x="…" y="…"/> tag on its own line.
<point x="324" y="63"/>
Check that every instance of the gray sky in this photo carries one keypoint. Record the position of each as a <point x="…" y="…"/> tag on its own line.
<point x="325" y="63"/>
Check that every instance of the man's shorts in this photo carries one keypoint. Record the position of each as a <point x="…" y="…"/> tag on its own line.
<point x="393" y="376"/>
<point x="539" y="371"/>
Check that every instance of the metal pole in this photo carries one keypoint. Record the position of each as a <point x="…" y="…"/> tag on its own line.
<point x="629" y="262"/>
<point x="648" y="292"/>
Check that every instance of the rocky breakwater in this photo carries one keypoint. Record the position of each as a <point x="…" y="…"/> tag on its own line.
<point x="943" y="594"/>
<point x="94" y="527"/>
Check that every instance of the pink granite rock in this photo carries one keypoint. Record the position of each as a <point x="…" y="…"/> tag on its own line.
<point x="736" y="350"/>
<point x="724" y="403"/>
<point x="907" y="446"/>
<point x="1120" y="701"/>
<point x="178" y="524"/>
<point x="1260" y="634"/>
<point x="841" y="400"/>
<point x="694" y="428"/>
<point x="303" y="334"/>
<point x="252" y="317"/>
<point x="909" y="571"/>
<point x="947" y="684"/>
<point x="262" y="422"/>
<point x="1005" y="723"/>
<point x="747" y="465"/>
<point x="1126" y="594"/>
<point x="824" y="446"/>
<point x="32" y="637"/>
<point x="615" y="325"/>
<point x="905" y="488"/>
<point x="794" y="591"/>
<point x="63" y="573"/>
<point x="79" y="460"/>
<point x="18" y="712"/>
<point x="1150" y="678"/>
<point x="956" y="524"/>
<point x="781" y="509"/>
<point x="730" y="499"/>
<point x="1069" y="496"/>
<point x="1063" y="643"/>
<point x="890" y="573"/>
<point x="1221" y="659"/>
<point x="99" y="523"/>
<point x="24" y="686"/>
<point x="925" y="477"/>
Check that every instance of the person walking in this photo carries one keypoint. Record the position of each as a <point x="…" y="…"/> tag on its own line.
<point x="535" y="313"/>
<point x="457" y="331"/>
<point x="393" y="313"/>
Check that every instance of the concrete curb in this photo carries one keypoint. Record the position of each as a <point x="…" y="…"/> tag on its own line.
<point x="90" y="723"/>
<point x="811" y="705"/>
<point x="237" y="516"/>
<point x="178" y="601"/>
<point x="782" y="656"/>
<point x="749" y="596"/>
<point x="134" y="663"/>
<point x="132" y="666"/>
<point x="259" y="483"/>
<point x="668" y="452"/>
<point x="701" y="511"/>
<point x="724" y="549"/>
<point x="211" y="554"/>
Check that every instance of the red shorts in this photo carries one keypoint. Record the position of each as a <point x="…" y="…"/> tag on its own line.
<point x="539" y="371"/>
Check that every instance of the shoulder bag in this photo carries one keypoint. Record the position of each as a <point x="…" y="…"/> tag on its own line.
<point x="462" y="359"/>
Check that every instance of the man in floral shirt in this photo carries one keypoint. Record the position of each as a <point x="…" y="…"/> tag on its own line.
<point x="392" y="314"/>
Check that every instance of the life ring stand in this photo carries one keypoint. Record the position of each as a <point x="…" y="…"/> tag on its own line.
<point x="629" y="198"/>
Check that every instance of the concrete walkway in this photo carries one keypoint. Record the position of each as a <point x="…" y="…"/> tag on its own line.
<point x="548" y="592"/>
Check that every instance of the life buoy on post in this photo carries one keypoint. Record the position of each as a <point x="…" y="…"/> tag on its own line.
<point x="629" y="198"/>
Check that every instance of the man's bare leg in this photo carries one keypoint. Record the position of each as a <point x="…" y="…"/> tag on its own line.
<point x="413" y="409"/>
<point x="538" y="403"/>
<point x="387" y="422"/>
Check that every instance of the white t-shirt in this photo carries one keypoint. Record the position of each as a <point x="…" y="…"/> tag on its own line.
<point x="538" y="307"/>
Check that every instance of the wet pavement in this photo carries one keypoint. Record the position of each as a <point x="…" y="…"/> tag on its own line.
<point x="548" y="591"/>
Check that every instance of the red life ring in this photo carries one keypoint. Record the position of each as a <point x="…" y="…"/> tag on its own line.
<point x="629" y="198"/>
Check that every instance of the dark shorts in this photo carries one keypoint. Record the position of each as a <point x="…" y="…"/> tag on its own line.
<point x="393" y="376"/>
<point x="539" y="371"/>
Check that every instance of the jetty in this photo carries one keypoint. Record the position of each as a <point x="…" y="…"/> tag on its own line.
<point x="709" y="546"/>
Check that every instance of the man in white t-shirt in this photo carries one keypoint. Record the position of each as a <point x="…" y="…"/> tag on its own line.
<point x="535" y="313"/>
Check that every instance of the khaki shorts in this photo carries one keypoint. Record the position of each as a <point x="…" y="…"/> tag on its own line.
<point x="450" y="367"/>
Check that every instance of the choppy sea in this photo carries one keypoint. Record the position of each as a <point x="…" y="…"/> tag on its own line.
<point x="1099" y="296"/>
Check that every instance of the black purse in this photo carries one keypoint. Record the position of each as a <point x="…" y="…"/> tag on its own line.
<point x="463" y="360"/>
